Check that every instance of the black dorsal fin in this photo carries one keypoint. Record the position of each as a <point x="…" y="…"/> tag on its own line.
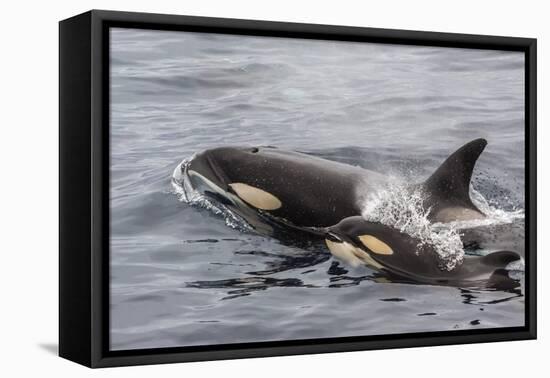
<point x="452" y="179"/>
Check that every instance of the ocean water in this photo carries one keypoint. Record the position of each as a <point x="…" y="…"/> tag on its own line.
<point x="183" y="274"/>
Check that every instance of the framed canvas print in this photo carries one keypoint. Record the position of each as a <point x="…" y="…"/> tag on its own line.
<point x="234" y="188"/>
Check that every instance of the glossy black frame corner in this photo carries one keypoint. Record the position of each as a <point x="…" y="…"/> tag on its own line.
<point x="84" y="188"/>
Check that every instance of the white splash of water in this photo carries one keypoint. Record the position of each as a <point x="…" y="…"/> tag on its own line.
<point x="187" y="193"/>
<point x="402" y="208"/>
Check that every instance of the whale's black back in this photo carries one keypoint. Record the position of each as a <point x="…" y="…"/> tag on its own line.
<point x="314" y="192"/>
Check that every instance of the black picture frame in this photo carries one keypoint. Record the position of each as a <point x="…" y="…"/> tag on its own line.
<point x="84" y="187"/>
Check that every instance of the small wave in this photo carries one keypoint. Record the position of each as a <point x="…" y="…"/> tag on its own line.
<point x="493" y="214"/>
<point x="187" y="193"/>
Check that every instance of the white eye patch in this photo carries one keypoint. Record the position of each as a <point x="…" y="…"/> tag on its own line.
<point x="351" y="255"/>
<point x="375" y="245"/>
<point x="258" y="198"/>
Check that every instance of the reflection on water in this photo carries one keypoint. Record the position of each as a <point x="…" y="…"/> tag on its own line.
<point x="239" y="287"/>
<point x="180" y="276"/>
<point x="470" y="296"/>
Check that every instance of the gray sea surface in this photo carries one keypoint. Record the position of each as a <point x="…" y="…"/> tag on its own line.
<point x="180" y="276"/>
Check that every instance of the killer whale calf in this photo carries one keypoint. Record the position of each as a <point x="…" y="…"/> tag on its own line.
<point x="357" y="241"/>
<point x="304" y="192"/>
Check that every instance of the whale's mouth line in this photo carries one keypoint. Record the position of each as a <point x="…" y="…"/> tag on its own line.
<point x="218" y="175"/>
<point x="188" y="193"/>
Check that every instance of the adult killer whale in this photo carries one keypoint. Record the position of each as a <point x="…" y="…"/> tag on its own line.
<point x="306" y="192"/>
<point x="357" y="241"/>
